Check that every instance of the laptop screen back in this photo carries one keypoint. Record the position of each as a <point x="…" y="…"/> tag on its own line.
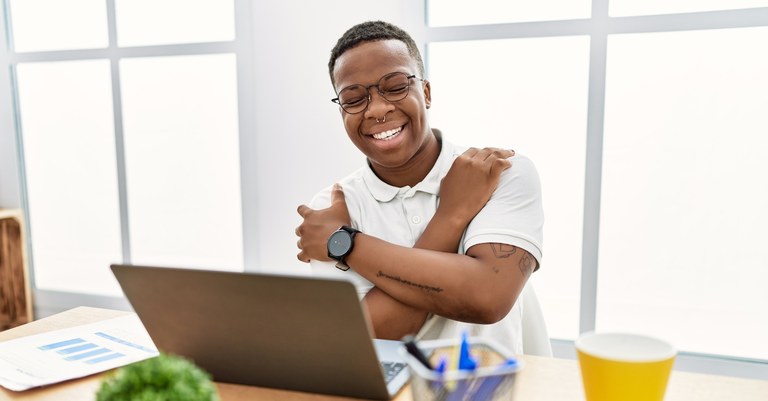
<point x="290" y="332"/>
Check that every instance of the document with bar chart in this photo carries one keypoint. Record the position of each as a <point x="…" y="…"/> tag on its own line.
<point x="59" y="355"/>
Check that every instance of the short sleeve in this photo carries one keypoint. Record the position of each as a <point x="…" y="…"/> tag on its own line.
<point x="514" y="214"/>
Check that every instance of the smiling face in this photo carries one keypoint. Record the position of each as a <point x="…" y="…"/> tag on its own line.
<point x="400" y="145"/>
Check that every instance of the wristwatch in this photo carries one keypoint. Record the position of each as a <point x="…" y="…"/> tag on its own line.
<point x="340" y="244"/>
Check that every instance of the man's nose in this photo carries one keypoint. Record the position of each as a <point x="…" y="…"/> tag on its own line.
<point x="377" y="104"/>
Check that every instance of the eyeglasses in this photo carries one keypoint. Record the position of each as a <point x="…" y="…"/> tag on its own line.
<point x="392" y="87"/>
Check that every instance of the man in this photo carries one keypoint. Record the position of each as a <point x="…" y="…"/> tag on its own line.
<point x="447" y="239"/>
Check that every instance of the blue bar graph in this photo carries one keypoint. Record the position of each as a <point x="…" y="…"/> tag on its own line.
<point x="72" y="350"/>
<point x="104" y="358"/>
<point x="61" y="344"/>
<point x="126" y="343"/>
<point x="88" y="354"/>
<point x="79" y="350"/>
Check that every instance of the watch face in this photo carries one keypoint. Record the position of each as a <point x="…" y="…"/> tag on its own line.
<point x="339" y="243"/>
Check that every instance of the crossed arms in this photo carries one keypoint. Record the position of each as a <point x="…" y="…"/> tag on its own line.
<point x="480" y="286"/>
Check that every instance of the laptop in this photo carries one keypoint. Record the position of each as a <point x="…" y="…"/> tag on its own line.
<point x="290" y="332"/>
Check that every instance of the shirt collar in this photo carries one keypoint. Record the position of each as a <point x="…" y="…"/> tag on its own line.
<point x="384" y="192"/>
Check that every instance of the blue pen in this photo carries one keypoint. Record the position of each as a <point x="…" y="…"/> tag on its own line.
<point x="466" y="364"/>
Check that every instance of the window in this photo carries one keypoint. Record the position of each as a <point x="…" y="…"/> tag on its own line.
<point x="130" y="155"/>
<point x="46" y="25"/>
<point x="182" y="160"/>
<point x="647" y="132"/>
<point x="683" y="216"/>
<point x="69" y="152"/>
<point x="504" y="93"/>
<point x="619" y="8"/>
<point x="458" y="12"/>
<point x="151" y="22"/>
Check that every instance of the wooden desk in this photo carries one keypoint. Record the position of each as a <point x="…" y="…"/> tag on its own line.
<point x="542" y="379"/>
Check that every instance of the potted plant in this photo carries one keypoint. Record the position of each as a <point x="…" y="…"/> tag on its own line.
<point x="163" y="378"/>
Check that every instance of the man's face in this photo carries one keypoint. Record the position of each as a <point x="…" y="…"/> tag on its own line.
<point x="390" y="145"/>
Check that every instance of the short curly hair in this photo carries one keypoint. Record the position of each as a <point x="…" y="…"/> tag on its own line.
<point x="372" y="31"/>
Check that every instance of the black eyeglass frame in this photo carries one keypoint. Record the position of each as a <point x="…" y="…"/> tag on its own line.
<point x="337" y="100"/>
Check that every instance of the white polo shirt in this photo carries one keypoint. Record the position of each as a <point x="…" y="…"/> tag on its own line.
<point x="513" y="216"/>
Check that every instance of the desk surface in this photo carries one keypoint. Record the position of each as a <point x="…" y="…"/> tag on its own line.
<point x="542" y="379"/>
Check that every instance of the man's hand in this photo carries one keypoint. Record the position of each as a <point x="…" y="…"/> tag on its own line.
<point x="471" y="181"/>
<point x="464" y="191"/>
<point x="318" y="225"/>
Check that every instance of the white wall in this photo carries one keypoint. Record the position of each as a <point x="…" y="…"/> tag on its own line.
<point x="301" y="146"/>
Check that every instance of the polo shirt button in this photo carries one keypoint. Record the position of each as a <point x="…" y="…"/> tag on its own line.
<point x="416" y="219"/>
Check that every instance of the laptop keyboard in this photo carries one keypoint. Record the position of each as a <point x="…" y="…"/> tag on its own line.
<point x="391" y="369"/>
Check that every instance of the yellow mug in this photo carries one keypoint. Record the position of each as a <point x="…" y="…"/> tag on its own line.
<point x="624" y="367"/>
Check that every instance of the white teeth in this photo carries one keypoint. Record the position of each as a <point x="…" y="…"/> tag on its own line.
<point x="386" y="135"/>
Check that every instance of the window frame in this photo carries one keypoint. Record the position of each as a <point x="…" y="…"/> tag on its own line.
<point x="48" y="302"/>
<point x="599" y="27"/>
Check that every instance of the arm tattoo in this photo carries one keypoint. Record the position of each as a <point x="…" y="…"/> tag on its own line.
<point x="426" y="288"/>
<point x="503" y="251"/>
<point x="526" y="264"/>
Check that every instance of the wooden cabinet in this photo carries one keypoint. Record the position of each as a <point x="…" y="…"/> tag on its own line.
<point x="15" y="294"/>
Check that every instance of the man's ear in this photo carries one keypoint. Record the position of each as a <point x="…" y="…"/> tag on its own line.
<point x="427" y="93"/>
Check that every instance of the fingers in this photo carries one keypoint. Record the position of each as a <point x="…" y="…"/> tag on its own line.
<point x="337" y="194"/>
<point x="301" y="257"/>
<point x="492" y="160"/>
<point x="496" y="153"/>
<point x="486" y="153"/>
<point x="500" y="165"/>
<point x="317" y="225"/>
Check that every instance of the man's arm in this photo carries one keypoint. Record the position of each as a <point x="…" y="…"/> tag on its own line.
<point x="464" y="191"/>
<point x="478" y="287"/>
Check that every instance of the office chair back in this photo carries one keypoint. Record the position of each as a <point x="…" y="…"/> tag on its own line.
<point x="535" y="336"/>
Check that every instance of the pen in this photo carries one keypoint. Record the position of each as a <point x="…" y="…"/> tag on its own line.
<point x="466" y="362"/>
<point x="413" y="349"/>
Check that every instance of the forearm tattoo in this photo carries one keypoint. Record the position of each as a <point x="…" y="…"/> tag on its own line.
<point x="423" y="287"/>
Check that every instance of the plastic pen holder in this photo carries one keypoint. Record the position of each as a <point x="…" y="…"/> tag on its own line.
<point x="492" y="380"/>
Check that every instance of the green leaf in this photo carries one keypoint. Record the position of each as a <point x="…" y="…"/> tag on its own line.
<point x="163" y="378"/>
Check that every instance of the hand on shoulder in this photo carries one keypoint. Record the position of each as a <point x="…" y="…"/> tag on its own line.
<point x="472" y="179"/>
